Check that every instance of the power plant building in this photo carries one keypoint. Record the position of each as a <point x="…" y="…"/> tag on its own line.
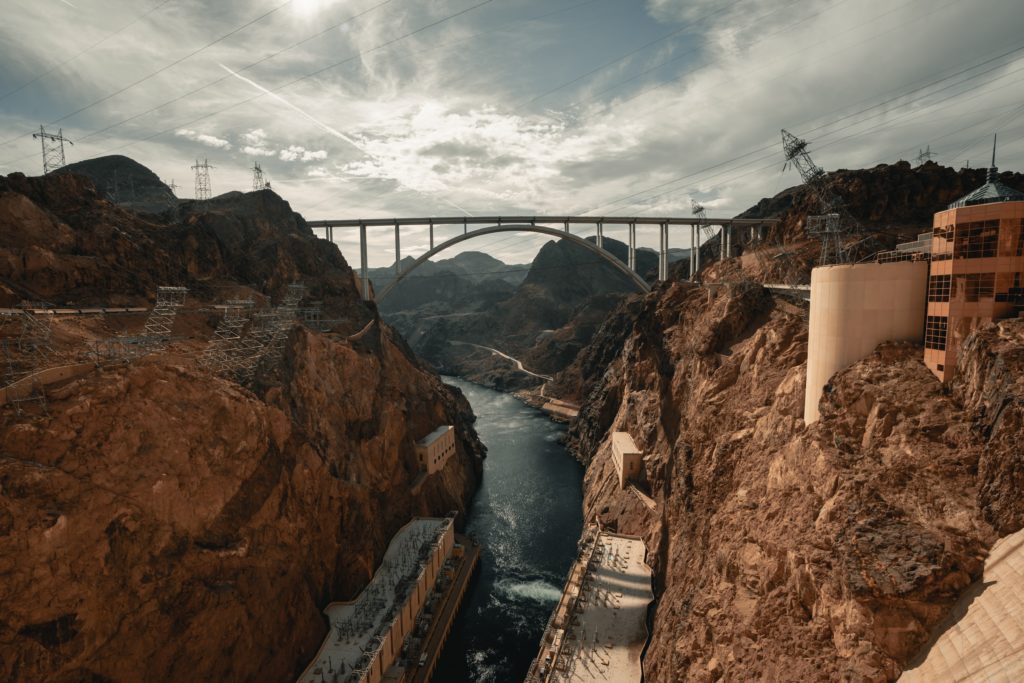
<point x="367" y="636"/>
<point x="977" y="269"/>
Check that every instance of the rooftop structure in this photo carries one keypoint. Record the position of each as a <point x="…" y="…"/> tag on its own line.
<point x="434" y="450"/>
<point x="599" y="628"/>
<point x="367" y="635"/>
<point x="976" y="274"/>
<point x="627" y="457"/>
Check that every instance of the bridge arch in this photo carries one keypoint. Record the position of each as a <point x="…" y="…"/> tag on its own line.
<point x="640" y="283"/>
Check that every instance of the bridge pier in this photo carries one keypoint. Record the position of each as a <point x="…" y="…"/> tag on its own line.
<point x="721" y="244"/>
<point x="663" y="253"/>
<point x="632" y="247"/>
<point x="431" y="234"/>
<point x="600" y="235"/>
<point x="362" y="262"/>
<point x="696" y="252"/>
<point x="398" y="251"/>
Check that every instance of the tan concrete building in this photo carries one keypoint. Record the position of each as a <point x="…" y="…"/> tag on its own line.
<point x="367" y="636"/>
<point x="854" y="308"/>
<point x="976" y="273"/>
<point x="434" y="450"/>
<point x="627" y="457"/>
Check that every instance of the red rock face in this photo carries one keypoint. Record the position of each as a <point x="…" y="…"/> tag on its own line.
<point x="790" y="553"/>
<point x="157" y="523"/>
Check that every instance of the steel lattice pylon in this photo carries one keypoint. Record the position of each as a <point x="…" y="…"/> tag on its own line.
<point x="203" y="188"/>
<point x="702" y="216"/>
<point x="258" y="183"/>
<point x="53" y="149"/>
<point x="161" y="319"/>
<point x="834" y="219"/>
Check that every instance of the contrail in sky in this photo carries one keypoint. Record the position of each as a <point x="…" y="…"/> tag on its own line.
<point x="329" y="129"/>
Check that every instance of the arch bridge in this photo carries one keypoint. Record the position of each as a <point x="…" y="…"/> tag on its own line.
<point x="543" y="225"/>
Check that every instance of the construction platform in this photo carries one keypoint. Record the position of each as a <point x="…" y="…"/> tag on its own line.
<point x="599" y="628"/>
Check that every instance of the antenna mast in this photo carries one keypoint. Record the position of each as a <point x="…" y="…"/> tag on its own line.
<point x="53" y="148"/>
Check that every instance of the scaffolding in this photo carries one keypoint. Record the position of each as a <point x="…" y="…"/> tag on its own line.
<point x="222" y="353"/>
<point x="161" y="319"/>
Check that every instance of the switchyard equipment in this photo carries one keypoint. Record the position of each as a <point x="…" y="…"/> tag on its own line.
<point x="834" y="220"/>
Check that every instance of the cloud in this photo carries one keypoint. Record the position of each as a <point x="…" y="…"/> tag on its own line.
<point x="254" y="137"/>
<point x="298" y="153"/>
<point x="203" y="138"/>
<point x="258" y="151"/>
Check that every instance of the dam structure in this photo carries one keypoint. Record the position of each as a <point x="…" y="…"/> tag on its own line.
<point x="396" y="627"/>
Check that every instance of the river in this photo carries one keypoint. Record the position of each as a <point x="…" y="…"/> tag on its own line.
<point x="527" y="514"/>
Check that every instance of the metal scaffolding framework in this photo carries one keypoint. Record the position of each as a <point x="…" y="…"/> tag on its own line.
<point x="221" y="355"/>
<point x="53" y="149"/>
<point x="834" y="220"/>
<point x="161" y="319"/>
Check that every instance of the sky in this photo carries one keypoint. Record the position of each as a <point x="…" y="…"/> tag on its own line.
<point x="384" y="108"/>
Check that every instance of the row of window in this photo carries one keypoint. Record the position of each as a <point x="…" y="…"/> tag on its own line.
<point x="973" y="240"/>
<point x="935" y="328"/>
<point x="973" y="287"/>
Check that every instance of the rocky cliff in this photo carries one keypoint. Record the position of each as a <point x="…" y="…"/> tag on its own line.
<point x="783" y="552"/>
<point x="159" y="523"/>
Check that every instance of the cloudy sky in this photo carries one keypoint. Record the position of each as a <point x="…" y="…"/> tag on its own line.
<point x="381" y="108"/>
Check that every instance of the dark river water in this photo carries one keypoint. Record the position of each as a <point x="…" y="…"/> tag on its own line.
<point x="527" y="515"/>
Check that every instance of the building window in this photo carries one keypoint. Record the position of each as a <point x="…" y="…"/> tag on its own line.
<point x="979" y="286"/>
<point x="938" y="287"/>
<point x="935" y="332"/>
<point x="976" y="240"/>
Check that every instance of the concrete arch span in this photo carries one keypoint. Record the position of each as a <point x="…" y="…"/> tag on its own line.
<point x="640" y="283"/>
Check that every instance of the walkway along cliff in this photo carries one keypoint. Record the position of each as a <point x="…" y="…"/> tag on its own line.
<point x="160" y="523"/>
<point x="785" y="552"/>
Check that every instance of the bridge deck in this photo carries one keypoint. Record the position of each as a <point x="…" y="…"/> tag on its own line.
<point x="531" y="220"/>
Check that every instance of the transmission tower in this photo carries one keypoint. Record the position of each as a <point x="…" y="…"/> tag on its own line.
<point x="702" y="215"/>
<point x="258" y="183"/>
<point x="834" y="220"/>
<point x="222" y="354"/>
<point x="924" y="155"/>
<point x="53" y="148"/>
<point x="202" y="170"/>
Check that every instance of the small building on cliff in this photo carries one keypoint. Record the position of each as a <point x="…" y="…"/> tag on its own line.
<point x="976" y="274"/>
<point x="627" y="457"/>
<point x="435" y="449"/>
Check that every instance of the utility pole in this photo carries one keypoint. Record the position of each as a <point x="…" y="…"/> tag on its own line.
<point x="202" y="170"/>
<point x="53" y="148"/>
<point x="924" y="155"/>
<point x="834" y="219"/>
<point x="258" y="183"/>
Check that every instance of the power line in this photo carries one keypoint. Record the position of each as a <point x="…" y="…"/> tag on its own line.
<point x="82" y="52"/>
<point x="165" y="67"/>
<point x="771" y="146"/>
<point x="307" y="76"/>
<point x="643" y="47"/>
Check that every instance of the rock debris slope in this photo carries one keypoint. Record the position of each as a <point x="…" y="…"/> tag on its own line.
<point x="783" y="552"/>
<point x="160" y="524"/>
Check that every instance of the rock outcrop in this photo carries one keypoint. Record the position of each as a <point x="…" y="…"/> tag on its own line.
<point x="783" y="552"/>
<point x="158" y="523"/>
